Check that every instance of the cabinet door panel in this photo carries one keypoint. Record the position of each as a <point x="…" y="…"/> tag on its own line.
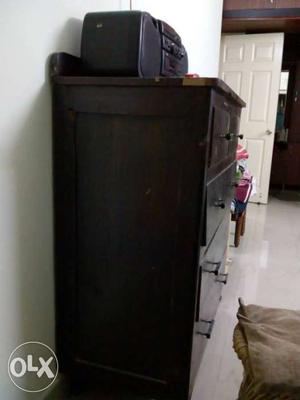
<point x="209" y="293"/>
<point x="127" y="194"/>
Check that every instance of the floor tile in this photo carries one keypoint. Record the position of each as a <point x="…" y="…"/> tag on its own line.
<point x="265" y="270"/>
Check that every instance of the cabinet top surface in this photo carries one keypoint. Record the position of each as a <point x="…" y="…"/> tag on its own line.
<point x="214" y="83"/>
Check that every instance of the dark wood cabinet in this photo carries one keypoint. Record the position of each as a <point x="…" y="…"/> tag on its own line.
<point x="285" y="172"/>
<point x="294" y="112"/>
<point x="260" y="16"/>
<point x="286" y="166"/>
<point x="247" y="4"/>
<point x="140" y="218"/>
<point x="287" y="3"/>
<point x="259" y="4"/>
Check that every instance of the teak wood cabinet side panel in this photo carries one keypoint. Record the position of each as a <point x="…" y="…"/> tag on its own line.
<point x="259" y="4"/>
<point x="247" y="4"/>
<point x="130" y="178"/>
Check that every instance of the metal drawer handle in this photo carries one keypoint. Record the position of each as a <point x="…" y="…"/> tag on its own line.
<point x="229" y="136"/>
<point x="210" y="325"/>
<point x="212" y="271"/>
<point x="220" y="204"/>
<point x="223" y="278"/>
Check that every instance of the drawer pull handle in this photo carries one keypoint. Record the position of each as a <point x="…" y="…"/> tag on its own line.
<point x="220" y="204"/>
<point x="223" y="278"/>
<point x="215" y="270"/>
<point x="205" y="328"/>
<point x="229" y="136"/>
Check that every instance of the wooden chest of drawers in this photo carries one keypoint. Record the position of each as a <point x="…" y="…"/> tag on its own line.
<point x="143" y="174"/>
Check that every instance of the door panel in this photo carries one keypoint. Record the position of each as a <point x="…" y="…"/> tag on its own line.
<point x="233" y="79"/>
<point x="262" y="52"/>
<point x="258" y="101"/>
<point x="251" y="65"/>
<point x="234" y="53"/>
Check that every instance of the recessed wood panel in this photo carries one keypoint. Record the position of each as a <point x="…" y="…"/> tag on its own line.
<point x="234" y="53"/>
<point x="262" y="52"/>
<point x="233" y="79"/>
<point x="259" y="97"/>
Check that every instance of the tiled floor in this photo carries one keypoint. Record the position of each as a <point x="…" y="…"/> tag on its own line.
<point x="265" y="270"/>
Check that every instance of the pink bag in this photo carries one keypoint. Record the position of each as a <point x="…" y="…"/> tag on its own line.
<point x="243" y="190"/>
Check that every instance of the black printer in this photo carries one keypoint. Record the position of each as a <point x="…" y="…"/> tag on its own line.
<point x="131" y="43"/>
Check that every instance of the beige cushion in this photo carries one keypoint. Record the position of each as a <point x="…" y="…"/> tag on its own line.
<point x="267" y="341"/>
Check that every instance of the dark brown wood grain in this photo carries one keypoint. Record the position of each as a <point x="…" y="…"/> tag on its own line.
<point x="287" y="3"/>
<point x="247" y="4"/>
<point x="261" y="25"/>
<point x="285" y="165"/>
<point x="259" y="4"/>
<point x="132" y="210"/>
<point x="261" y="16"/>
<point x="294" y="121"/>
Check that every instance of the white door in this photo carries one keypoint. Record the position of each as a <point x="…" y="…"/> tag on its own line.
<point x="251" y="66"/>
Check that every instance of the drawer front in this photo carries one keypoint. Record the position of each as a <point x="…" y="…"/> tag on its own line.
<point x="199" y="344"/>
<point x="212" y="279"/>
<point x="210" y="283"/>
<point x="212" y="272"/>
<point x="208" y="297"/>
<point x="219" y="194"/>
<point x="224" y="130"/>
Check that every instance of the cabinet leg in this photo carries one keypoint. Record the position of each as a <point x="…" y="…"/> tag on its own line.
<point x="238" y="230"/>
<point x="243" y="223"/>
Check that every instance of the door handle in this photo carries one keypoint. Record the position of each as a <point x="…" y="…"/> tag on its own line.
<point x="268" y="132"/>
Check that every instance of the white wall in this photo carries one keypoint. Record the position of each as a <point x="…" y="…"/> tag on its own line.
<point x="198" y="22"/>
<point x="29" y="31"/>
